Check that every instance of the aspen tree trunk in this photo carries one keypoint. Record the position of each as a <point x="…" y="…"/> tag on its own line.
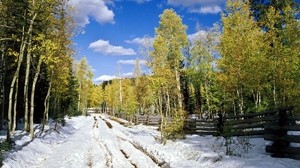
<point x="259" y="98"/>
<point x="79" y="98"/>
<point x="14" y="122"/>
<point x="161" y="114"/>
<point x="160" y="102"/>
<point x="198" y="99"/>
<point x="16" y="74"/>
<point x="274" y="94"/>
<point x="3" y="75"/>
<point x="178" y="89"/>
<point x="11" y="91"/>
<point x="28" y="58"/>
<point x="46" y="101"/>
<point x="207" y="100"/>
<point x="46" y="104"/>
<point x="255" y="97"/>
<point x="168" y="110"/>
<point x="120" y="90"/>
<point x="240" y="101"/>
<point x="234" y="107"/>
<point x="36" y="75"/>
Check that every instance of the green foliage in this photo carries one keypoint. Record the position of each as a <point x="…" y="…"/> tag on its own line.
<point x="202" y="73"/>
<point x="129" y="102"/>
<point x="84" y="75"/>
<point x="5" y="146"/>
<point x="72" y="96"/>
<point x="62" y="121"/>
<point x="174" y="129"/>
<point x="73" y="111"/>
<point x="260" y="61"/>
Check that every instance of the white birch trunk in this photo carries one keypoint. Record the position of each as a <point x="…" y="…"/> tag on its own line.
<point x="46" y="101"/>
<point x="28" y="59"/>
<point x="36" y="75"/>
<point x="178" y="89"/>
<point x="14" y="122"/>
<point x="16" y="74"/>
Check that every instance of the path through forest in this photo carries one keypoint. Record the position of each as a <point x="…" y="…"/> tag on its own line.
<point x="79" y="145"/>
<point x="96" y="147"/>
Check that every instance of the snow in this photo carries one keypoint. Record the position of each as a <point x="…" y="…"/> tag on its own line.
<point x="79" y="145"/>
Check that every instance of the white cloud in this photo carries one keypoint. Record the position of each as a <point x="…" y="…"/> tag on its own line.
<point x="105" y="78"/>
<point x="111" y="77"/>
<point x="191" y="3"/>
<point x="140" y="41"/>
<point x="97" y="9"/>
<point x="198" y="35"/>
<point x="131" y="62"/>
<point x="103" y="46"/>
<point x="207" y="10"/>
<point x="141" y="1"/>
<point x="200" y="6"/>
<point x="128" y="74"/>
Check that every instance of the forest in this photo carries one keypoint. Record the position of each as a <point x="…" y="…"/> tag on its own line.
<point x="247" y="63"/>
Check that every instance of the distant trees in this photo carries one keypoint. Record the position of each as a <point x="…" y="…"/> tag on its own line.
<point x="202" y="72"/>
<point x="252" y="64"/>
<point x="84" y="75"/>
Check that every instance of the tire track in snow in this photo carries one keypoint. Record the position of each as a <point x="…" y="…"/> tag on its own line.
<point x="130" y="152"/>
<point x="69" y="153"/>
<point x="99" y="148"/>
<point x="126" y="156"/>
<point x="90" y="160"/>
<point x="107" y="154"/>
<point x="108" y="141"/>
<point x="122" y="137"/>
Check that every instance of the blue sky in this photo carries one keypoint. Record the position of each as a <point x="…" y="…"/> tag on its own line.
<point x="113" y="30"/>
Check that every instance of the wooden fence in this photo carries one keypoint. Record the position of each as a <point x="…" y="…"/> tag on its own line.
<point x="153" y="120"/>
<point x="279" y="126"/>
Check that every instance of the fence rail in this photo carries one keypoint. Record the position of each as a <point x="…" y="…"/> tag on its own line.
<point x="153" y="120"/>
<point x="276" y="126"/>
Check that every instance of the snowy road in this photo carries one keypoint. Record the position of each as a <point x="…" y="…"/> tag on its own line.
<point x="97" y="147"/>
<point x="79" y="145"/>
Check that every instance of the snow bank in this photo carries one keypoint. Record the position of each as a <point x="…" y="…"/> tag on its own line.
<point x="78" y="145"/>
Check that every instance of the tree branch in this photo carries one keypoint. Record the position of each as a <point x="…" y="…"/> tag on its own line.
<point x="6" y="39"/>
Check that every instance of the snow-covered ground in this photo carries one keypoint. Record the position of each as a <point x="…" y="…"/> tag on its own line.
<point x="79" y="145"/>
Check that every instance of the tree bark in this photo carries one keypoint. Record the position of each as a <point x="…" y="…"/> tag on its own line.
<point x="16" y="74"/>
<point x="14" y="122"/>
<point x="46" y="101"/>
<point x="240" y="100"/>
<point x="178" y="89"/>
<point x="28" y="59"/>
<point x="11" y="91"/>
<point x="79" y="98"/>
<point x="274" y="94"/>
<point x="120" y="92"/>
<point x="168" y="110"/>
<point x="3" y="76"/>
<point x="207" y="99"/>
<point x="36" y="75"/>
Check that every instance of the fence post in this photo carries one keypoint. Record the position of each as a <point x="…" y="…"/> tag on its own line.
<point x="280" y="142"/>
<point x="220" y="124"/>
